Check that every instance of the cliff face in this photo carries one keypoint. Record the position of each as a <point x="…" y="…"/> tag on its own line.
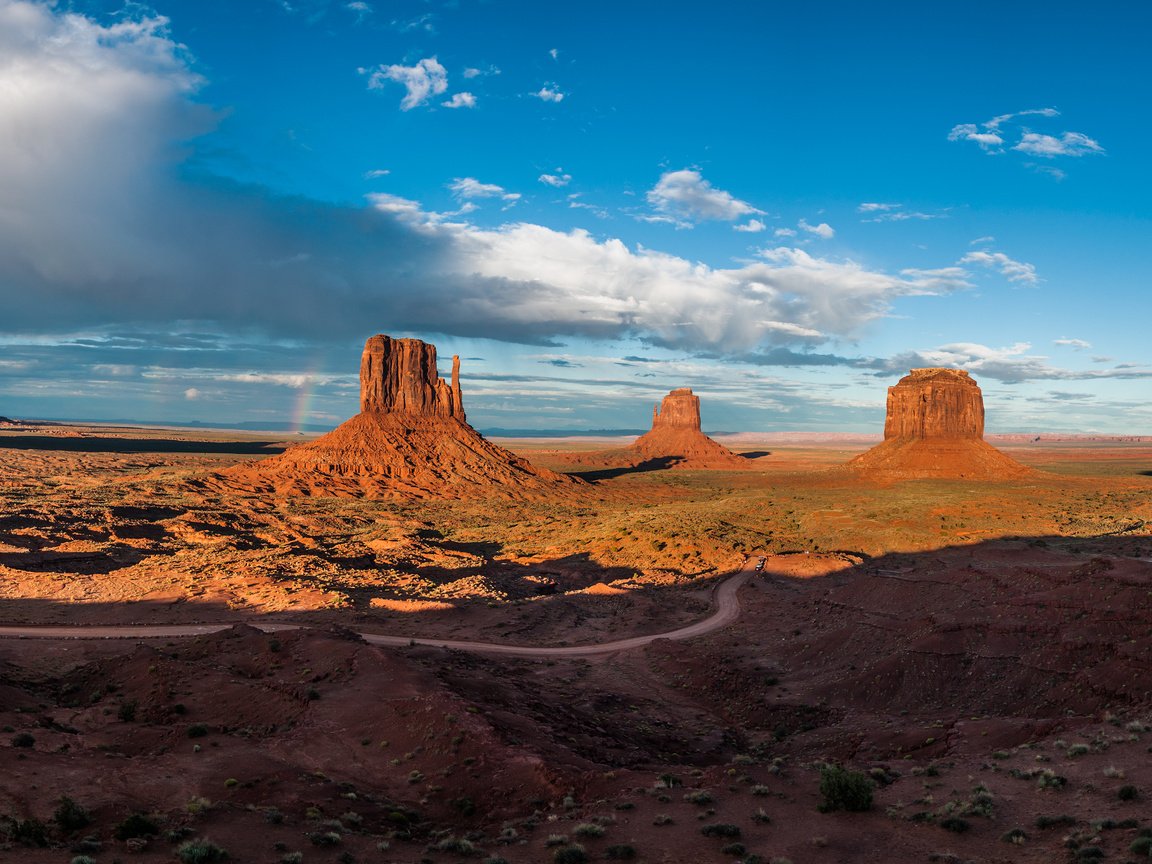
<point x="410" y="440"/>
<point x="680" y="409"/>
<point x="935" y="403"/>
<point x="934" y="429"/>
<point x="399" y="376"/>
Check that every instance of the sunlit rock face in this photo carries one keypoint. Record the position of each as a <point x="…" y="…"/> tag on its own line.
<point x="935" y="403"/>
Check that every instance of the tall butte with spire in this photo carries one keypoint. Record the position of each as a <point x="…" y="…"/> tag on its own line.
<point x="676" y="435"/>
<point x="410" y="440"/>
<point x="934" y="428"/>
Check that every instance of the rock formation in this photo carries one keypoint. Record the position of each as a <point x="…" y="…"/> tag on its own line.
<point x="674" y="441"/>
<point x="934" y="428"/>
<point x="410" y="440"/>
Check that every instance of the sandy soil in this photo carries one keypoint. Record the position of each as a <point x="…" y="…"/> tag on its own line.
<point x="980" y="651"/>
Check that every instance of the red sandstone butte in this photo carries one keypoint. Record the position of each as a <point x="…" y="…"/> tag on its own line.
<point x="676" y="435"/>
<point x="410" y="440"/>
<point x="935" y="429"/>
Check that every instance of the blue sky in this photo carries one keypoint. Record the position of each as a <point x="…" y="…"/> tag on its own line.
<point x="205" y="207"/>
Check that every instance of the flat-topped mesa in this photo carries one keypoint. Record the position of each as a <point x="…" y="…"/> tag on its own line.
<point x="935" y="403"/>
<point x="399" y="376"/>
<point x="680" y="409"/>
<point x="934" y="429"/>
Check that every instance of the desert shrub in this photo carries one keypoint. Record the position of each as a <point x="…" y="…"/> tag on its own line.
<point x="494" y="859"/>
<point x="761" y="818"/>
<point x="1078" y="750"/>
<point x="761" y="790"/>
<point x="842" y="789"/>
<point x="459" y="845"/>
<point x="1141" y="846"/>
<point x="197" y="730"/>
<point x="662" y="819"/>
<point x="702" y="796"/>
<point x="1061" y="821"/>
<point x="573" y="854"/>
<point x="23" y="739"/>
<point x="1015" y="836"/>
<point x="326" y="838"/>
<point x="955" y="824"/>
<point x="620" y="852"/>
<point x="589" y="829"/>
<point x="1128" y="793"/>
<point x="720" y="829"/>
<point x="70" y="816"/>
<point x="1089" y="853"/>
<point x="1048" y="779"/>
<point x="733" y="849"/>
<point x="127" y="711"/>
<point x="82" y="859"/>
<point x="200" y="852"/>
<point x="28" y="832"/>
<point x="556" y="840"/>
<point x="136" y="825"/>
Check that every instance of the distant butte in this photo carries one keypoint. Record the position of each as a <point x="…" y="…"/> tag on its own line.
<point x="674" y="441"/>
<point x="934" y="428"/>
<point x="410" y="440"/>
<point x="675" y="434"/>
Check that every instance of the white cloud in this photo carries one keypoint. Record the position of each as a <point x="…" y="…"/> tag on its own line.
<point x="988" y="141"/>
<point x="361" y="9"/>
<point x="192" y="394"/>
<point x="1012" y="270"/>
<point x="1049" y="146"/>
<point x="992" y="136"/>
<point x="473" y="72"/>
<point x="752" y="226"/>
<point x="422" y="81"/>
<point x="558" y="179"/>
<point x="377" y="173"/>
<point x="987" y="238"/>
<point x="823" y="230"/>
<point x="550" y="93"/>
<point x="460" y="100"/>
<point x="1075" y="344"/>
<point x="470" y="187"/>
<point x="554" y="53"/>
<point x="1011" y="364"/>
<point x="98" y="229"/>
<point x="873" y="207"/>
<point x="687" y="195"/>
<point x="785" y="232"/>
<point x="575" y="203"/>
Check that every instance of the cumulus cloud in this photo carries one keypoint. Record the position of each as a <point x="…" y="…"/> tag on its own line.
<point x="823" y="230"/>
<point x="1075" y="344"/>
<point x="992" y="136"/>
<point x="785" y="232"/>
<point x="550" y="93"/>
<point x="752" y="226"/>
<point x="1012" y="270"/>
<point x="559" y="179"/>
<point x="687" y="195"/>
<point x="1011" y="364"/>
<point x="1068" y="144"/>
<point x="473" y="72"/>
<point x="460" y="100"/>
<point x="427" y="78"/>
<point x="470" y="187"/>
<point x="101" y="227"/>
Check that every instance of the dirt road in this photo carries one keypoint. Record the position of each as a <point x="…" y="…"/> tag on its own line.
<point x="725" y="595"/>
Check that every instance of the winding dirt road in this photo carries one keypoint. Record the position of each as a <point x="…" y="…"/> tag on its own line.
<point x="725" y="595"/>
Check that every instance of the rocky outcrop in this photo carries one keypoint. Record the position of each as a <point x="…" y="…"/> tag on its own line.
<point x="935" y="403"/>
<point x="680" y="409"/>
<point x="674" y="441"/>
<point x="410" y="440"/>
<point x="398" y="376"/>
<point x="934" y="428"/>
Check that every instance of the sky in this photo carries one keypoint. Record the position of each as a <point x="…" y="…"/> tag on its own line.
<point x="206" y="207"/>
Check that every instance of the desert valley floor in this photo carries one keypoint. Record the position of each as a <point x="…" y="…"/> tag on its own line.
<point x="981" y="649"/>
